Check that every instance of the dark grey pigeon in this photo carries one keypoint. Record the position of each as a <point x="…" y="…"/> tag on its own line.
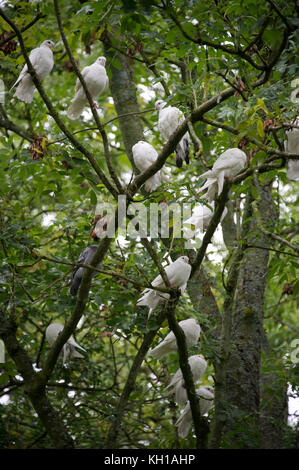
<point x="85" y="257"/>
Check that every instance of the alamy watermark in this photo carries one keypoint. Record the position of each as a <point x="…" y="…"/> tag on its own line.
<point x="2" y="92"/>
<point x="2" y="352"/>
<point x="295" y="353"/>
<point x="295" y="93"/>
<point x="154" y="220"/>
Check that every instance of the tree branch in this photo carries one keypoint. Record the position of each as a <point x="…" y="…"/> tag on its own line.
<point x="13" y="35"/>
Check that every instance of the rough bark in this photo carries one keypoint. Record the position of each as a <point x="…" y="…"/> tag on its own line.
<point x="37" y="395"/>
<point x="273" y="402"/>
<point x="123" y="91"/>
<point x="243" y="366"/>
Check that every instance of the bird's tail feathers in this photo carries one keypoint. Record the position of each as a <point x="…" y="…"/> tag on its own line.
<point x="180" y="393"/>
<point x="75" y="285"/>
<point x="180" y="156"/>
<point x="159" y="351"/>
<point x="76" y="345"/>
<point x="76" y="353"/>
<point x="14" y="85"/>
<point x="207" y="184"/>
<point x="25" y="90"/>
<point x="186" y="150"/>
<point x="183" y="424"/>
<point x="76" y="108"/>
<point x="208" y="174"/>
<point x="145" y="299"/>
<point x="153" y="182"/>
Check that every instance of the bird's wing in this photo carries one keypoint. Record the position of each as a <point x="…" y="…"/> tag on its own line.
<point x="175" y="379"/>
<point x="227" y="159"/>
<point x="150" y="155"/>
<point x="81" y="259"/>
<point x="168" y="121"/>
<point x="158" y="281"/>
<point x="22" y="74"/>
<point x="78" y="83"/>
<point x="35" y="56"/>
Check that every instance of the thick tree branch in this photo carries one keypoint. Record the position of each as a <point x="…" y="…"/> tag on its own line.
<point x="48" y="416"/>
<point x="10" y="126"/>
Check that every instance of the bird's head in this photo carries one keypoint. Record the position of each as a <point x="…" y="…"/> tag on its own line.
<point x="101" y="60"/>
<point x="48" y="43"/>
<point x="209" y="388"/>
<point x="184" y="259"/>
<point x="159" y="104"/>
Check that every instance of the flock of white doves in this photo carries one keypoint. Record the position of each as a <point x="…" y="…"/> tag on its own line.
<point x="227" y="165"/>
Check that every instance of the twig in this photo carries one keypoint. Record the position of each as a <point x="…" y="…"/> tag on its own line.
<point x="13" y="35"/>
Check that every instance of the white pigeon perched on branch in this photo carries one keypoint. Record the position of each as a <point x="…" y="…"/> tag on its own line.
<point x="170" y="118"/>
<point x="144" y="156"/>
<point x="69" y="348"/>
<point x="227" y="165"/>
<point x="192" y="333"/>
<point x="178" y="274"/>
<point x="206" y="396"/>
<point x="42" y="61"/>
<point x="198" y="366"/>
<point x="96" y="80"/>
<point x="292" y="146"/>
<point x="201" y="217"/>
<point x="100" y="224"/>
<point x="85" y="257"/>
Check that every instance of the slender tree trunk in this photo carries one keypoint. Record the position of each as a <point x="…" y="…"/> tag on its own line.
<point x="243" y="366"/>
<point x="273" y="402"/>
<point x="124" y="95"/>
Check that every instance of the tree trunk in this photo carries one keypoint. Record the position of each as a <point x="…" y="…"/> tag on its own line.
<point x="274" y="402"/>
<point x="243" y="366"/>
<point x="123" y="91"/>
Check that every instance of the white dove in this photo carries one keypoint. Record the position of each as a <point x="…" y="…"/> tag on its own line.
<point x="206" y="396"/>
<point x="227" y="165"/>
<point x="169" y="344"/>
<point x="178" y="274"/>
<point x="169" y="119"/>
<point x="198" y="366"/>
<point x="96" y="80"/>
<point x="201" y="218"/>
<point x="144" y="156"/>
<point x="69" y="348"/>
<point x="42" y="61"/>
<point x="292" y="146"/>
<point x="85" y="257"/>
